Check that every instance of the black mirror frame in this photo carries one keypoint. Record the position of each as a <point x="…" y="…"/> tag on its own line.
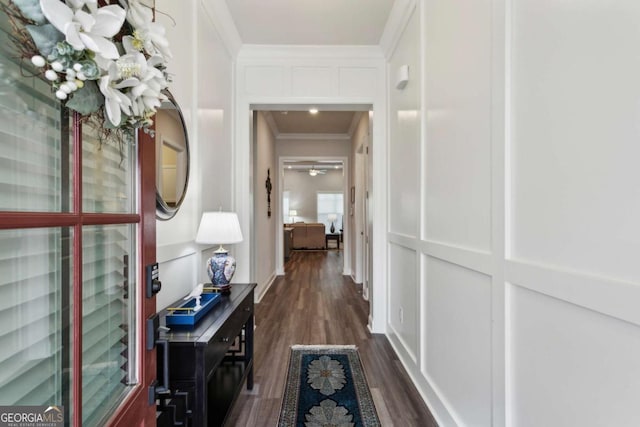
<point x="164" y="212"/>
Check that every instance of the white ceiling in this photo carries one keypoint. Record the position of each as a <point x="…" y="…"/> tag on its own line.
<point x="310" y="22"/>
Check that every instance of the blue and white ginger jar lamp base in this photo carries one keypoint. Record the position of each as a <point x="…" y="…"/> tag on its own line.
<point x="220" y="268"/>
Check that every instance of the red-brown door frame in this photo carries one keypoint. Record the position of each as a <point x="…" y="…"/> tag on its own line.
<point x="136" y="410"/>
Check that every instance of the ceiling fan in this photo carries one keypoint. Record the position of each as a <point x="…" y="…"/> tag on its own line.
<point x="313" y="171"/>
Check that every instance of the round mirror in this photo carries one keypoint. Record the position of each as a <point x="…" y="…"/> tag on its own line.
<point x="172" y="158"/>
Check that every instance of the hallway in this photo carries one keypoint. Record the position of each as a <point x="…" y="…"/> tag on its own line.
<point x="314" y="304"/>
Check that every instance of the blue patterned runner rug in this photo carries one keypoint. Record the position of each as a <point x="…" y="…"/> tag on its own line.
<point x="326" y="386"/>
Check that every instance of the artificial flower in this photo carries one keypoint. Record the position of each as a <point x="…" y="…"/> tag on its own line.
<point x="147" y="35"/>
<point x="79" y="41"/>
<point x="84" y="30"/>
<point x="115" y="100"/>
<point x="92" y="5"/>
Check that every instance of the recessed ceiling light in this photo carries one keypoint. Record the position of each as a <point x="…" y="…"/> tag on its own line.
<point x="313" y="110"/>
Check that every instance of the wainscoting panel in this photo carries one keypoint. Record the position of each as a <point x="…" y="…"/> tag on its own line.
<point x="357" y="81"/>
<point x="404" y="144"/>
<point x="458" y="118"/>
<point x="403" y="298"/>
<point x="313" y="81"/>
<point x="576" y="198"/>
<point x="265" y="80"/>
<point x="404" y="173"/>
<point x="573" y="204"/>
<point x="570" y="366"/>
<point x="458" y="334"/>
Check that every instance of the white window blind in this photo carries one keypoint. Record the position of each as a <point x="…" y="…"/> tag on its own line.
<point x="330" y="203"/>
<point x="30" y="134"/>
<point x="33" y="332"/>
<point x="34" y="263"/>
<point x="107" y="317"/>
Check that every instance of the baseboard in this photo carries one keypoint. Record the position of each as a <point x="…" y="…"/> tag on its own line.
<point x="353" y="279"/>
<point x="432" y="397"/>
<point x="264" y="288"/>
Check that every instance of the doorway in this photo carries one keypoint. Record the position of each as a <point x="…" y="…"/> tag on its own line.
<point x="315" y="190"/>
<point x="308" y="143"/>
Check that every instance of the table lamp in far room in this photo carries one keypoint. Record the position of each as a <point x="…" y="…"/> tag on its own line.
<point x="332" y="218"/>
<point x="220" y="228"/>
<point x="292" y="215"/>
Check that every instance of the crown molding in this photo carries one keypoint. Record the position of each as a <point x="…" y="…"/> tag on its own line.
<point x="398" y="18"/>
<point x="268" y="116"/>
<point x="221" y="18"/>
<point x="354" y="123"/>
<point x="273" y="126"/>
<point x="314" y="136"/>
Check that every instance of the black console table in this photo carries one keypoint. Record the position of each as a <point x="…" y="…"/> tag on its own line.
<point x="209" y="362"/>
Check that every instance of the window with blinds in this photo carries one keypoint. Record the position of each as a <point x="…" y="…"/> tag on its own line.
<point x="330" y="203"/>
<point x="39" y="360"/>
<point x="34" y="316"/>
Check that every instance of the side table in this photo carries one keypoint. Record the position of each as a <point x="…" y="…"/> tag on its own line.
<point x="332" y="236"/>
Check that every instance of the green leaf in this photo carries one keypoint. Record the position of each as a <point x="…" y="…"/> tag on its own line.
<point x="31" y="10"/>
<point x="87" y="100"/>
<point x="45" y="37"/>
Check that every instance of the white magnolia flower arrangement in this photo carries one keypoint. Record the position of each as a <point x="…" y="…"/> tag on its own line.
<point x="105" y="59"/>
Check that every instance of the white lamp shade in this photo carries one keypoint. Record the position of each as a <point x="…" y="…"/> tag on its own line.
<point x="332" y="217"/>
<point x="219" y="228"/>
<point x="293" y="212"/>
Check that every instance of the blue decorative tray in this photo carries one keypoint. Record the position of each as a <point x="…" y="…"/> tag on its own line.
<point x="185" y="315"/>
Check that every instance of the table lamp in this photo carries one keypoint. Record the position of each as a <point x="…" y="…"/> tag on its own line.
<point x="220" y="228"/>
<point x="292" y="215"/>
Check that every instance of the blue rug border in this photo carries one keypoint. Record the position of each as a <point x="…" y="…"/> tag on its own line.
<point x="288" y="416"/>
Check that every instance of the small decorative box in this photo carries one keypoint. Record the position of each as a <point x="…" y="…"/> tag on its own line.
<point x="186" y="315"/>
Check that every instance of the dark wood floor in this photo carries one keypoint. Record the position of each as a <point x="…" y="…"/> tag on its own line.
<point x="314" y="304"/>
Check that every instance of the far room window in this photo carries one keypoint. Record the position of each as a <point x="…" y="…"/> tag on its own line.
<point x="330" y="203"/>
<point x="286" y="215"/>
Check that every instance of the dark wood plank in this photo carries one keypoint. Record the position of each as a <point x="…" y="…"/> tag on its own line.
<point x="314" y="304"/>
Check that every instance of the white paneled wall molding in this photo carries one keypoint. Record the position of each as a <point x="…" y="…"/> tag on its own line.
<point x="505" y="196"/>
<point x="514" y="215"/>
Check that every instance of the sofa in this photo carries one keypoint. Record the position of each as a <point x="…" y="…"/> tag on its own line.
<point x="308" y="235"/>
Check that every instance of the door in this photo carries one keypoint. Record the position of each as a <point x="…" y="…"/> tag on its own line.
<point x="77" y="222"/>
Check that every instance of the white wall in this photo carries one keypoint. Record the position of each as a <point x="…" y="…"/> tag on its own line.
<point x="516" y="283"/>
<point x="303" y="189"/>
<point x="573" y="214"/>
<point x="202" y="86"/>
<point x="264" y="226"/>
